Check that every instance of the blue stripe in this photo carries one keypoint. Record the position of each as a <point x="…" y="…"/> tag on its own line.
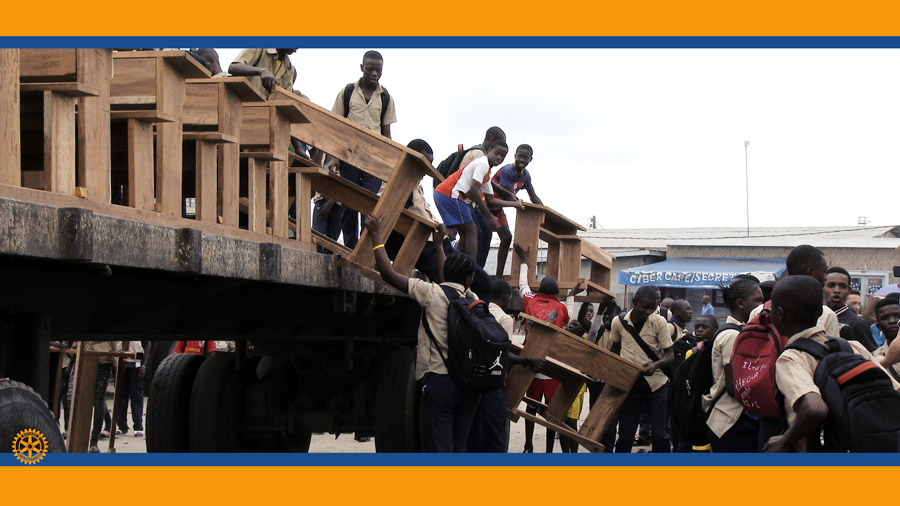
<point x="510" y="459"/>
<point x="459" y="42"/>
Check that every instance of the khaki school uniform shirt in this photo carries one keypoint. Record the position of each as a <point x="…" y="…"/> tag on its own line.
<point x="827" y="321"/>
<point x="795" y="370"/>
<point x="284" y="72"/>
<point x="103" y="346"/>
<point x="502" y="318"/>
<point x="894" y="370"/>
<point x="365" y="113"/>
<point x="655" y="333"/>
<point x="727" y="409"/>
<point x="433" y="300"/>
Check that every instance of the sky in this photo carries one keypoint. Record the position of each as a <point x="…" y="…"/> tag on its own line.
<point x="654" y="138"/>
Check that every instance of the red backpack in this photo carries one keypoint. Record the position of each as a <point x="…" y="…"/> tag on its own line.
<point x="753" y="358"/>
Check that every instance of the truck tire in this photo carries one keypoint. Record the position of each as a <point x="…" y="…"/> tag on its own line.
<point x="397" y="414"/>
<point x="167" y="409"/>
<point x="212" y="410"/>
<point x="159" y="350"/>
<point x="21" y="409"/>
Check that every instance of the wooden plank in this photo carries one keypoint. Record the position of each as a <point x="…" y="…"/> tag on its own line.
<point x="230" y="117"/>
<point x="59" y="143"/>
<point x="568" y="391"/>
<point x="596" y="254"/>
<point x="211" y="137"/>
<point x="151" y="115"/>
<point x="47" y="65"/>
<point x="590" y="359"/>
<point x="370" y="151"/>
<point x="255" y="127"/>
<point x="178" y="59"/>
<point x="94" y="144"/>
<point x="134" y="77"/>
<point x="73" y="89"/>
<point x="404" y="179"/>
<point x="256" y="193"/>
<point x="240" y="87"/>
<point x="170" y="99"/>
<point x="552" y="367"/>
<point x="201" y="104"/>
<point x="78" y="437"/>
<point x="556" y="222"/>
<point x="604" y="412"/>
<point x="140" y="165"/>
<point x="304" y="209"/>
<point x="519" y="378"/>
<point x="569" y="260"/>
<point x="335" y="247"/>
<point x="10" y="134"/>
<point x="412" y="247"/>
<point x="205" y="174"/>
<point x="559" y="427"/>
<point x="551" y="267"/>
<point x="528" y="225"/>
<point x="279" y="201"/>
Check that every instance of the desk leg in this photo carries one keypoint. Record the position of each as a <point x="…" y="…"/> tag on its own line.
<point x="10" y="133"/>
<point x="81" y="413"/>
<point x="59" y="143"/>
<point x="256" y="193"/>
<point x="140" y="165"/>
<point x="604" y="413"/>
<point x="304" y="213"/>
<point x="412" y="247"/>
<point x="206" y="181"/>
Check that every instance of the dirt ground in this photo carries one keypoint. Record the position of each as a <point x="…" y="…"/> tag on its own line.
<point x="327" y="443"/>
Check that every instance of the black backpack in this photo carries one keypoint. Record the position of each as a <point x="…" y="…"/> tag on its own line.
<point x="478" y="346"/>
<point x="385" y="100"/>
<point x="451" y="163"/>
<point x="863" y="408"/>
<point x="691" y="381"/>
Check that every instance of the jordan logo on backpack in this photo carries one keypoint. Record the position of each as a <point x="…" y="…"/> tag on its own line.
<point x="497" y="365"/>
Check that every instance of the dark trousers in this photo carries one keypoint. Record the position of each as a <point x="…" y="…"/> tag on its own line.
<point x="490" y="427"/>
<point x="134" y="388"/>
<point x="484" y="236"/>
<point x="103" y="371"/>
<point x="742" y="437"/>
<point x="769" y="427"/>
<point x="330" y="225"/>
<point x="630" y="413"/>
<point x="350" y="223"/>
<point x="447" y="414"/>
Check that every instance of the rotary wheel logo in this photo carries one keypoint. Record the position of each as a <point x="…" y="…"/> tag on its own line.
<point x="29" y="446"/>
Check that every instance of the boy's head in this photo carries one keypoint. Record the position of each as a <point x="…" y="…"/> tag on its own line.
<point x="682" y="311"/>
<point x="493" y="135"/>
<point x="644" y="303"/>
<point x="666" y="303"/>
<point x="837" y="287"/>
<point x="766" y="287"/>
<point x="705" y="300"/>
<point x="497" y="153"/>
<point x="805" y="260"/>
<point x="422" y="147"/>
<point x="372" y="66"/>
<point x="705" y="327"/>
<point x="854" y="300"/>
<point x="524" y="154"/>
<point x="459" y="268"/>
<point x="796" y="304"/>
<point x="501" y="293"/>
<point x="548" y="286"/>
<point x="887" y="316"/>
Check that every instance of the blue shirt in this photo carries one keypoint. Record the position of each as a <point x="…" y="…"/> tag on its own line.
<point x="877" y="335"/>
<point x="708" y="310"/>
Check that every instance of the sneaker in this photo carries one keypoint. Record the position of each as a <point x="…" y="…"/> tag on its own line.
<point x="138" y="433"/>
<point x="104" y="434"/>
<point x="122" y="431"/>
<point x="94" y="449"/>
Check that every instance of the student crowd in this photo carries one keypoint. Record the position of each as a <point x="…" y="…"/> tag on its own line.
<point x="701" y="389"/>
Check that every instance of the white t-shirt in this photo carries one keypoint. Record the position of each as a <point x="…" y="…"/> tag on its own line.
<point x="478" y="169"/>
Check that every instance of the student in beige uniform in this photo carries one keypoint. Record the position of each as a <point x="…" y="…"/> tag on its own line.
<point x="805" y="260"/>
<point x="653" y="387"/>
<point x="887" y="318"/>
<point x="447" y="411"/>
<point x="728" y="427"/>
<point x="796" y="306"/>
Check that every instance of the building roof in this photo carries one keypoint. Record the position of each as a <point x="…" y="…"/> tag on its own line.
<point x="822" y="237"/>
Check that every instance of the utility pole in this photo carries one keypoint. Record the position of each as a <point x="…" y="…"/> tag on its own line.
<point x="747" y="184"/>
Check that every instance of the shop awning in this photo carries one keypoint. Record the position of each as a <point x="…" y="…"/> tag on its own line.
<point x="681" y="272"/>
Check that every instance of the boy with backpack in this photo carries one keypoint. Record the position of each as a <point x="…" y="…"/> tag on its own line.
<point x="447" y="409"/>
<point x="642" y="336"/>
<point x="822" y="377"/>
<point x="683" y="419"/>
<point x="471" y="182"/>
<point x="366" y="103"/>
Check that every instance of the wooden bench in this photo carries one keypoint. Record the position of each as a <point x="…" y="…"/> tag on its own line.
<point x="10" y="131"/>
<point x="149" y="90"/>
<point x="265" y="138"/>
<point x="564" y="252"/>
<point x="212" y="119"/>
<point x="59" y="82"/>
<point x="573" y="361"/>
<point x="398" y="166"/>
